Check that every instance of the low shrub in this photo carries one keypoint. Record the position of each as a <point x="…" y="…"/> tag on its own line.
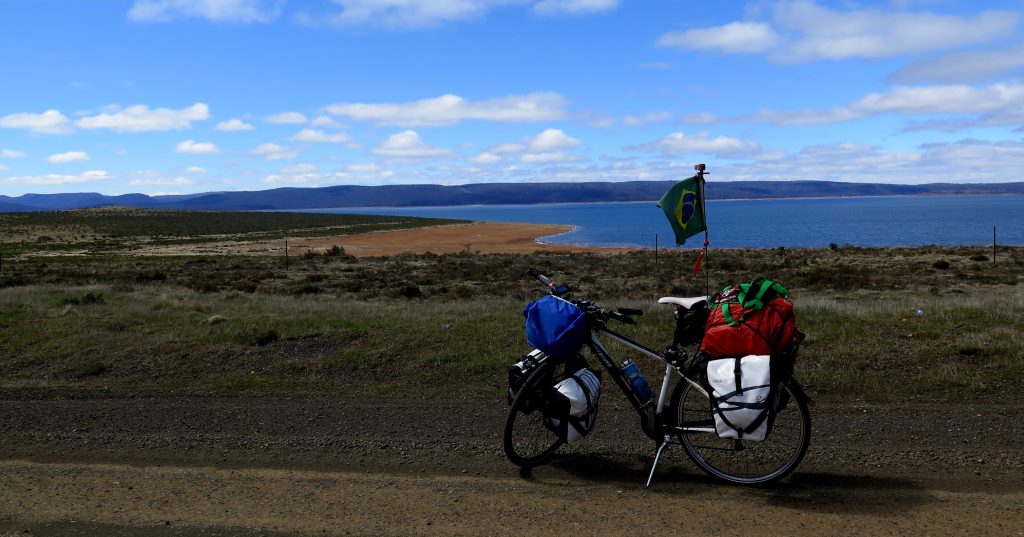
<point x="257" y="337"/>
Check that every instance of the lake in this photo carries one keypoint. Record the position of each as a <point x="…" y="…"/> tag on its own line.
<point x="818" y="222"/>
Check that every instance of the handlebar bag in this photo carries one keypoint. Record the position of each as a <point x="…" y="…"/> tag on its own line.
<point x="572" y="410"/>
<point x="741" y="390"/>
<point x="555" y="326"/>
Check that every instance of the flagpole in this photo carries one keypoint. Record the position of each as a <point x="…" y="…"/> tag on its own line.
<point x="704" y="214"/>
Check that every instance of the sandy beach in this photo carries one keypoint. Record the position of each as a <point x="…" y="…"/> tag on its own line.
<point x="477" y="237"/>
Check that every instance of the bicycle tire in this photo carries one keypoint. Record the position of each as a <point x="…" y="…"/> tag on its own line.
<point x="744" y="462"/>
<point x="527" y="440"/>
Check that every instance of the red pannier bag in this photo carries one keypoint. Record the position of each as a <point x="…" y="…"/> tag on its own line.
<point x="752" y="318"/>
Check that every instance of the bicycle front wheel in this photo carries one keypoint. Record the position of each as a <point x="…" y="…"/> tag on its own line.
<point x="527" y="438"/>
<point x="742" y="461"/>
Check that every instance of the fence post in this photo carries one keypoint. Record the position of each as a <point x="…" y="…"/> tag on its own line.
<point x="655" y="249"/>
<point x="286" y="253"/>
<point x="993" y="244"/>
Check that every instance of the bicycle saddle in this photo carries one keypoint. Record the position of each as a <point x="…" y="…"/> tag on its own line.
<point x="685" y="303"/>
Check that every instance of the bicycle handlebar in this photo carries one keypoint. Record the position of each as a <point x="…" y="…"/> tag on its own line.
<point x="623" y="315"/>
<point x="544" y="280"/>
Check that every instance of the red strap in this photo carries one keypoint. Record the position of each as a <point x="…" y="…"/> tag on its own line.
<point x="700" y="259"/>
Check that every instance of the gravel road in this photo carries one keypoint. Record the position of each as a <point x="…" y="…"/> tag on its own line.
<point x="79" y="464"/>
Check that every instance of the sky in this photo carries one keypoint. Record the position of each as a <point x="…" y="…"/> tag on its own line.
<point x="185" y="96"/>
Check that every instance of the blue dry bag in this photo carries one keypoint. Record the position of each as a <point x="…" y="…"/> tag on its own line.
<point x="555" y="326"/>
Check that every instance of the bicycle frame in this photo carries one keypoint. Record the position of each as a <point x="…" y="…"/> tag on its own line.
<point x="656" y="426"/>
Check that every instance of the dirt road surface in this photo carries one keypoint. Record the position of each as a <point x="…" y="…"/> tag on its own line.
<point x="88" y="464"/>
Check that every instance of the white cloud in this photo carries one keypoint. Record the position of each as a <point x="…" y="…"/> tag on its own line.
<point x="300" y="168"/>
<point x="139" y="118"/>
<point x="162" y="181"/>
<point x="542" y="148"/>
<point x="410" y="14"/>
<point x="939" y="99"/>
<point x="234" y="125"/>
<point x="407" y="13"/>
<point x="56" y="179"/>
<point x="962" y="67"/>
<point x="326" y="121"/>
<point x="574" y="7"/>
<point x="595" y="119"/>
<point x="974" y="161"/>
<point x="1001" y="100"/>
<point x="870" y="33"/>
<point x="286" y="118"/>
<point x="678" y="144"/>
<point x="449" y="109"/>
<point x="698" y="118"/>
<point x="70" y="156"/>
<point x="275" y="152"/>
<point x="11" y="153"/>
<point x="547" y="157"/>
<point x="485" y="158"/>
<point x="651" y="117"/>
<point x="49" y="122"/>
<point x="551" y="139"/>
<point x="195" y="170"/>
<point x="372" y="167"/>
<point x="190" y="146"/>
<point x="734" y="38"/>
<point x="801" y="30"/>
<point x="241" y="11"/>
<point x="313" y="135"/>
<point x="505" y="149"/>
<point x="408" y="144"/>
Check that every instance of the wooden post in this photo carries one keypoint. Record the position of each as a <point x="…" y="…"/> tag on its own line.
<point x="993" y="244"/>
<point x="286" y="253"/>
<point x="655" y="249"/>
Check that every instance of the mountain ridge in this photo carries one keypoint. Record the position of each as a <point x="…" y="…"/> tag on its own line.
<point x="341" y="196"/>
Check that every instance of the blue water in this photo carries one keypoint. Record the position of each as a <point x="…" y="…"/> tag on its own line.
<point x="872" y="221"/>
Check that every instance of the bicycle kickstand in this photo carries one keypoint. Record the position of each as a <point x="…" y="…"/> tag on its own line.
<point x="657" y="457"/>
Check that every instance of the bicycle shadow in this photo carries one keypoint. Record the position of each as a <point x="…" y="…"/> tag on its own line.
<point x="627" y="472"/>
<point x="825" y="492"/>
<point x="816" y="492"/>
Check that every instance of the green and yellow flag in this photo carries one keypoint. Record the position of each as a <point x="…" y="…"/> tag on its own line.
<point x="684" y="206"/>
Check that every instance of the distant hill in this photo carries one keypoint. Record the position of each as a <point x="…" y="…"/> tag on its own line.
<point x="16" y="208"/>
<point x="484" y="194"/>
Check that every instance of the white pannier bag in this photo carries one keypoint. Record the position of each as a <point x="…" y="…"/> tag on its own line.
<point x="576" y="408"/>
<point x="740" y="396"/>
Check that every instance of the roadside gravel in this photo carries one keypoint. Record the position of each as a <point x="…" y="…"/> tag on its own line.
<point x="260" y="464"/>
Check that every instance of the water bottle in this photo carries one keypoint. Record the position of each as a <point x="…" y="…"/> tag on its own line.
<point x="636" y="380"/>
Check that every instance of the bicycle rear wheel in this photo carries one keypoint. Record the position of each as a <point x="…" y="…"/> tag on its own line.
<point x="527" y="439"/>
<point x="742" y="461"/>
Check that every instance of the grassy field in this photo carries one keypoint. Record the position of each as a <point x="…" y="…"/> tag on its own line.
<point x="115" y="229"/>
<point x="452" y="323"/>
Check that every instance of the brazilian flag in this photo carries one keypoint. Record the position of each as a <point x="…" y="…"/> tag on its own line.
<point x="684" y="206"/>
